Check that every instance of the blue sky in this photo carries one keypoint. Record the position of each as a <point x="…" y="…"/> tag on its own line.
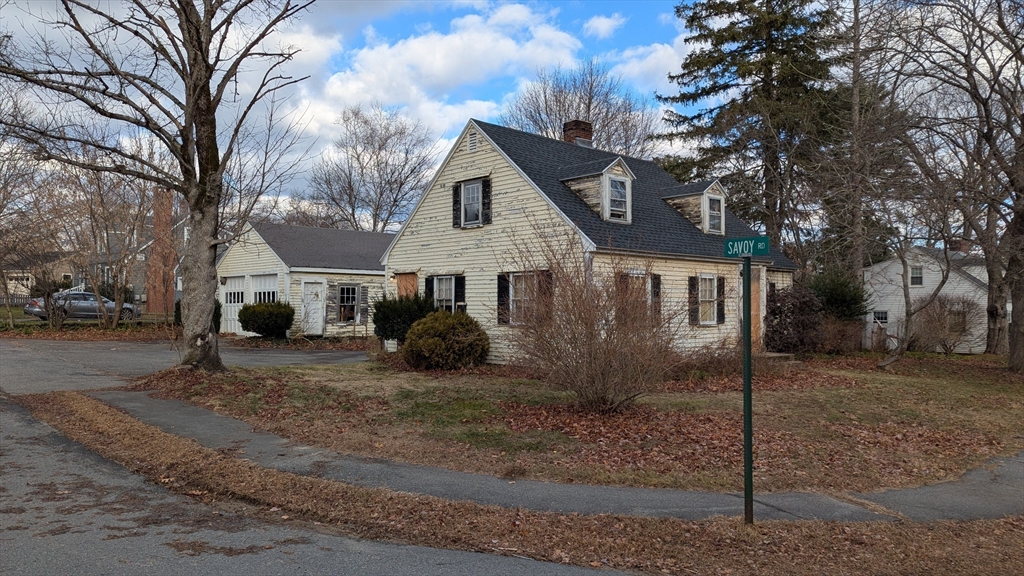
<point x="446" y="62"/>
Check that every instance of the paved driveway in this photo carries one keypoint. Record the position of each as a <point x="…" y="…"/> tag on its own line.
<point x="33" y="366"/>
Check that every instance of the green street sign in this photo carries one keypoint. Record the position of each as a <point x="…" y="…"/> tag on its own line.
<point x="745" y="247"/>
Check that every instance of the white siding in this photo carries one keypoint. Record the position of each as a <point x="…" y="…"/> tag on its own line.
<point x="523" y="222"/>
<point x="885" y="287"/>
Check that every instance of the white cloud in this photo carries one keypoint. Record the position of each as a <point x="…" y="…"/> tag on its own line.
<point x="602" y="27"/>
<point x="646" y="68"/>
<point x="420" y="72"/>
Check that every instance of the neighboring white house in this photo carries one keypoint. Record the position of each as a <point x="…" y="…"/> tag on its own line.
<point x="501" y="194"/>
<point x="968" y="278"/>
<point x="328" y="275"/>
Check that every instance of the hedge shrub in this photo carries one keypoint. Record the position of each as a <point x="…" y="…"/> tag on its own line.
<point x="842" y="297"/>
<point x="268" y="319"/>
<point x="793" y="321"/>
<point x="445" y="341"/>
<point x="215" y="323"/>
<point x="392" y="317"/>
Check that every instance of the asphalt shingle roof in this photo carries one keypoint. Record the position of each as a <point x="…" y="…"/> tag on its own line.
<point x="307" y="247"/>
<point x="656" y="227"/>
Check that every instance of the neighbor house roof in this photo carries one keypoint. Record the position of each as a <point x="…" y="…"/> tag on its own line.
<point x="656" y="226"/>
<point x="330" y="248"/>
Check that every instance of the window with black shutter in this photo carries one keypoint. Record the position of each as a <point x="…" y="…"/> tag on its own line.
<point x="471" y="203"/>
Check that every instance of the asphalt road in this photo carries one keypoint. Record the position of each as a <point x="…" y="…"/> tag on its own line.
<point x="34" y="366"/>
<point x="65" y="510"/>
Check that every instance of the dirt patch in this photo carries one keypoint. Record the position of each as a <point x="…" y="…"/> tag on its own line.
<point x="197" y="547"/>
<point x="652" y="545"/>
<point x="795" y="379"/>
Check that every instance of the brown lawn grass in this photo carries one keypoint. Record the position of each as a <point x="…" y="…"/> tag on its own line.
<point x="719" y="546"/>
<point x="836" y="426"/>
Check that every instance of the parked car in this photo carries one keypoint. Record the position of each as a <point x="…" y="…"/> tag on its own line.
<point x="80" y="305"/>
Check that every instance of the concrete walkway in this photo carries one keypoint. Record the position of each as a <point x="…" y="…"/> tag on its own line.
<point x="993" y="492"/>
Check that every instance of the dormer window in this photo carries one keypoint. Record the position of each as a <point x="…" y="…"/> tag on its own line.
<point x="715" y="218"/>
<point x="617" y="202"/>
<point x="617" y="199"/>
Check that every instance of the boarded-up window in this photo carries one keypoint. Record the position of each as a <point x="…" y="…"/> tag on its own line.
<point x="407" y="284"/>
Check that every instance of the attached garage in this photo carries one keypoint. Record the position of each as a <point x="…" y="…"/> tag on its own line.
<point x="329" y="276"/>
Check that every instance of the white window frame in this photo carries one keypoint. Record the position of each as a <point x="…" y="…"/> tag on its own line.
<point x="354" y="305"/>
<point x="606" y="200"/>
<point x="701" y="300"/>
<point x="880" y="317"/>
<point x="479" y="184"/>
<point x="441" y="302"/>
<point x="721" y="214"/>
<point x="518" y="304"/>
<point x="919" y="276"/>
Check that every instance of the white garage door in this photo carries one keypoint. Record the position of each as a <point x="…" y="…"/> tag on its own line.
<point x="232" y="298"/>
<point x="264" y="288"/>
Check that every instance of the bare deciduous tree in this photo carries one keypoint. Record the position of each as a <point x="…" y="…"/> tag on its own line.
<point x="197" y="77"/>
<point x="623" y="122"/>
<point x="376" y="171"/>
<point x="971" y="52"/>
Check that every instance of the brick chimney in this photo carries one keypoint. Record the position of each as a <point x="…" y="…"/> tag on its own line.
<point x="578" y="132"/>
<point x="162" y="257"/>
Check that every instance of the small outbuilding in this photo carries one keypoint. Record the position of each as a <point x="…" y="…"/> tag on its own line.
<point x="328" y="275"/>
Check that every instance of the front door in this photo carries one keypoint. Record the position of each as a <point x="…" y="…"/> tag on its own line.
<point x="313" y="308"/>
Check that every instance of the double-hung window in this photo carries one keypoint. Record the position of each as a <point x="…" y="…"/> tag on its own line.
<point x="522" y="296"/>
<point x="472" y="200"/>
<point x="916" y="276"/>
<point x="471" y="203"/>
<point x="881" y="317"/>
<point x="444" y="293"/>
<point x="708" y="300"/>
<point x="348" y="304"/>
<point x="715" y="219"/>
<point x="617" y="199"/>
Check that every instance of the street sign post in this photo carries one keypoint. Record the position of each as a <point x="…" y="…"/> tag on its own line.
<point x="746" y="248"/>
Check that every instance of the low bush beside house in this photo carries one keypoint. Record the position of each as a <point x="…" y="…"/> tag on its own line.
<point x="445" y="341"/>
<point x="392" y="317"/>
<point x="793" y="321"/>
<point x="268" y="319"/>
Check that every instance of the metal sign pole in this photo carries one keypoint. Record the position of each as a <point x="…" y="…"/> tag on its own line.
<point x="748" y="425"/>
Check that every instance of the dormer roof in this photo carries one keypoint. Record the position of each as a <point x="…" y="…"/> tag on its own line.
<point x="592" y="168"/>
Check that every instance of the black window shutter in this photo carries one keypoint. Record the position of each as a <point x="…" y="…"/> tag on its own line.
<point x="721" y="300"/>
<point x="485" y="201"/>
<point x="503" y="303"/>
<point x="460" y="293"/>
<point x="656" y="295"/>
<point x="457" y="206"/>
<point x="428" y="288"/>
<point x="694" y="300"/>
<point x="364" y="305"/>
<point x="546" y="287"/>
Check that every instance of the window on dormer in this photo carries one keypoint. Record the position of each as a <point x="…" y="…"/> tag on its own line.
<point x="615" y="200"/>
<point x="715" y="219"/>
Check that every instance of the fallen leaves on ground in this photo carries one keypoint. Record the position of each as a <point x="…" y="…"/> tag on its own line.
<point x="644" y="439"/>
<point x="651" y="545"/>
<point x="772" y="382"/>
<point x="75" y="332"/>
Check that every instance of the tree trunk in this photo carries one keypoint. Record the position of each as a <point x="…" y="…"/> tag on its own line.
<point x="1015" y="275"/>
<point x="998" y="293"/>
<point x="199" y="272"/>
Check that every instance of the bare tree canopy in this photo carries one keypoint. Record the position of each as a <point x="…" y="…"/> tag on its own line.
<point x="623" y="122"/>
<point x="200" y="78"/>
<point x="372" y="176"/>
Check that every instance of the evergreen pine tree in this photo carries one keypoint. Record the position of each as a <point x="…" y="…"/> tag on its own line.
<point x="747" y="99"/>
